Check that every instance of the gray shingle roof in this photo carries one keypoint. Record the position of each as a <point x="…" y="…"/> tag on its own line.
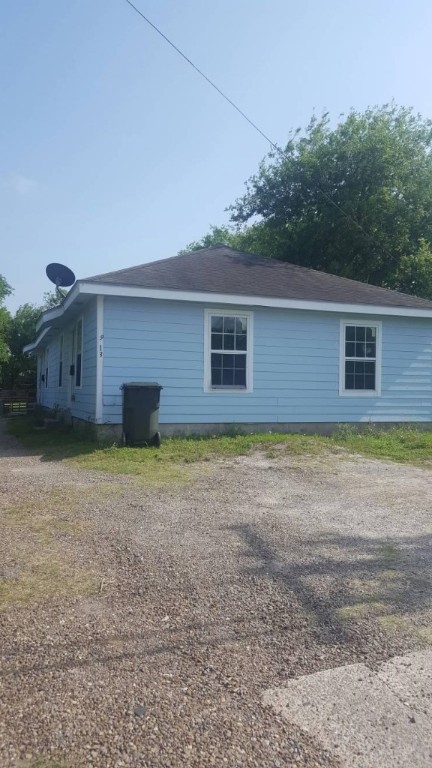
<point x="220" y="269"/>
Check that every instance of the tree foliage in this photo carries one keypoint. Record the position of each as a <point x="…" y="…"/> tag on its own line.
<point x="52" y="299"/>
<point x="5" y="290"/>
<point x="415" y="272"/>
<point x="354" y="200"/>
<point x="18" y="369"/>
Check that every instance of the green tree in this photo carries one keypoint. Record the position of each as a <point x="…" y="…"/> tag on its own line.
<point x="16" y="368"/>
<point x="354" y="200"/>
<point x="19" y="370"/>
<point x="259" y="238"/>
<point x="52" y="299"/>
<point x="216" y="236"/>
<point x="5" y="290"/>
<point x="415" y="272"/>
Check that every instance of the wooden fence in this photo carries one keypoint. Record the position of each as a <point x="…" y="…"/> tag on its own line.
<point x="14" y="402"/>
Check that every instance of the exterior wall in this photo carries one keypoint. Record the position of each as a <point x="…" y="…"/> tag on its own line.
<point x="49" y="393"/>
<point x="38" y="377"/>
<point x="296" y="366"/>
<point x="83" y="405"/>
<point x="81" y="401"/>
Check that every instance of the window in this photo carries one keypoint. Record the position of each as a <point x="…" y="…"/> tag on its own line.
<point x="228" y="363"/>
<point x="360" y="359"/>
<point x="60" y="373"/>
<point x="46" y="368"/>
<point x="78" y="352"/>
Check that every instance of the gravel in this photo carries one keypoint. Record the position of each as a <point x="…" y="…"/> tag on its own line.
<point x="204" y="596"/>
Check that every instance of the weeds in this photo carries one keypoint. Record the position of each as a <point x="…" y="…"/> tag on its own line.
<point x="403" y="444"/>
<point x="169" y="462"/>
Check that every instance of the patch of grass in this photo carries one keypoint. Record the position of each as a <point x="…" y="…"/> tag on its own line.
<point x="39" y="566"/>
<point x="51" y="444"/>
<point x="168" y="464"/>
<point x="42" y="577"/>
<point x="46" y="516"/>
<point x="389" y="551"/>
<point x="403" y="625"/>
<point x="390" y="574"/>
<point x="362" y="610"/>
<point x="372" y="586"/>
<point x="402" y="444"/>
<point x="43" y="524"/>
<point x="396" y="624"/>
<point x="425" y="633"/>
<point x="171" y="463"/>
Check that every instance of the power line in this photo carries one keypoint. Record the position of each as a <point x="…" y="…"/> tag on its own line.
<point x="251" y="122"/>
<point x="200" y="72"/>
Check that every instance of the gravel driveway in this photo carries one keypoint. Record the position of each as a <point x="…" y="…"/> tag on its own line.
<point x="172" y="609"/>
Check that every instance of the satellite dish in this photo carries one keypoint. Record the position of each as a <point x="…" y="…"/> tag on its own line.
<point x="61" y="276"/>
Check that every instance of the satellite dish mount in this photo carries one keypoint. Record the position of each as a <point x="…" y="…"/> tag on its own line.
<point x="61" y="276"/>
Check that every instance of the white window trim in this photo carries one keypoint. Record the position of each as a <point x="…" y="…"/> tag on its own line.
<point x="208" y="313"/>
<point x="80" y="319"/>
<point x="360" y="392"/>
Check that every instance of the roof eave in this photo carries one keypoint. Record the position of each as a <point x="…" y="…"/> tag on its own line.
<point x="53" y="314"/>
<point x="135" y="291"/>
<point x="34" y="345"/>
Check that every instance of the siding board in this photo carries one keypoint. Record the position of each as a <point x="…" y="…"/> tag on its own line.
<point x="296" y="366"/>
<point x="83" y="403"/>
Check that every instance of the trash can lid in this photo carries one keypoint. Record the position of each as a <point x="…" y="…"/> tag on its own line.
<point x="149" y="384"/>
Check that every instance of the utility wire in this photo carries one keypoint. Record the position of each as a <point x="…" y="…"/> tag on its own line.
<point x="213" y="85"/>
<point x="251" y="122"/>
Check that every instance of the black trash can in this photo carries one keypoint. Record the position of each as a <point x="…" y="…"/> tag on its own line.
<point x="141" y="413"/>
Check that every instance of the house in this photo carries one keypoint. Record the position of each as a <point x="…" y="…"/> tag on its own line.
<point x="235" y="339"/>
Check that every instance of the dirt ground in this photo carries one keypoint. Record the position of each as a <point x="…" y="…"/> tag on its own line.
<point x="140" y="625"/>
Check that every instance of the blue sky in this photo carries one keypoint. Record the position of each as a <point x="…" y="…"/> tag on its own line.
<point x="114" y="152"/>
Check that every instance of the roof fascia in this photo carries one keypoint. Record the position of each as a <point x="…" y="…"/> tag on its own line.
<point x="107" y="289"/>
<point x="34" y="345"/>
<point x="53" y="314"/>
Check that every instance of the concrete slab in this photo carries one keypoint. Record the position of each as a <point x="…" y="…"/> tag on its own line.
<point x="410" y="677"/>
<point x="357" y="717"/>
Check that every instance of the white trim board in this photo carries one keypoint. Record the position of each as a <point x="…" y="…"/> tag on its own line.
<point x="105" y="289"/>
<point x="257" y="301"/>
<point x="33" y="346"/>
<point x="253" y="301"/>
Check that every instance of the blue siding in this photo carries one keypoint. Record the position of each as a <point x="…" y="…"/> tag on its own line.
<point x="48" y="390"/>
<point x="53" y="396"/>
<point x="296" y="366"/>
<point x="84" y="404"/>
<point x="81" y="401"/>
